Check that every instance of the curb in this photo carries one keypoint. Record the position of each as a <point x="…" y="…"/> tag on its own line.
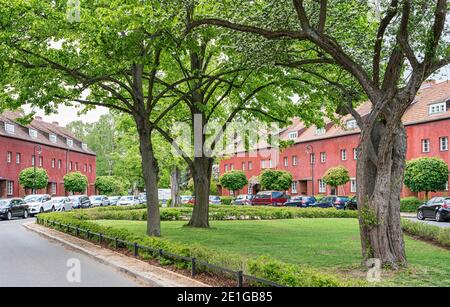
<point x="151" y="275"/>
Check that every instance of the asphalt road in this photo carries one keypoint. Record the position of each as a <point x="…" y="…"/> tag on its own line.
<point x="431" y="222"/>
<point x="29" y="260"/>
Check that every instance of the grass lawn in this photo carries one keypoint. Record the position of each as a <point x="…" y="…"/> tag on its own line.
<point x="320" y="243"/>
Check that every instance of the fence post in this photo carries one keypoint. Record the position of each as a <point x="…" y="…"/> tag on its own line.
<point x="194" y="267"/>
<point x="240" y="279"/>
<point x="116" y="243"/>
<point x="68" y="228"/>
<point x="161" y="253"/>
<point x="100" y="238"/>
<point x="88" y="234"/>
<point x="136" y="250"/>
<point x="78" y="231"/>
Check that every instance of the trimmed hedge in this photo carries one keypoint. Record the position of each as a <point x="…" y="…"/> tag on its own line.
<point x="218" y="213"/>
<point x="226" y="200"/>
<point x="410" y="204"/>
<point x="436" y="234"/>
<point x="267" y="268"/>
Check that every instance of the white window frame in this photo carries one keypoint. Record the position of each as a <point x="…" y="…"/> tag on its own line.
<point x="323" y="157"/>
<point x="10" y="188"/>
<point x="59" y="164"/>
<point x="294" y="187"/>
<point x="355" y="153"/>
<point x="41" y="161"/>
<point x="351" y="124"/>
<point x="18" y="157"/>
<point x="33" y="133"/>
<point x="320" y="131"/>
<point x="33" y="160"/>
<point x="53" y="138"/>
<point x="294" y="160"/>
<point x="84" y="146"/>
<point x="312" y="158"/>
<point x="54" y="188"/>
<point x="426" y="146"/>
<point x="443" y="143"/>
<point x="353" y="185"/>
<point x="263" y="164"/>
<point x="270" y="163"/>
<point x="10" y="128"/>
<point x="250" y="165"/>
<point x="293" y="135"/>
<point x="322" y="186"/>
<point x="437" y="108"/>
<point x="9" y="157"/>
<point x="70" y="142"/>
<point x="226" y="168"/>
<point x="243" y="166"/>
<point x="286" y="161"/>
<point x="344" y="154"/>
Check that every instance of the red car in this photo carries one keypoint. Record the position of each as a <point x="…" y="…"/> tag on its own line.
<point x="270" y="198"/>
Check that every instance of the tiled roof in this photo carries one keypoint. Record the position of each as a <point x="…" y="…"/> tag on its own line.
<point x="417" y="113"/>
<point x="44" y="129"/>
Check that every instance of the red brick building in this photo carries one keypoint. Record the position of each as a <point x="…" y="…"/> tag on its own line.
<point x="428" y="126"/>
<point x="61" y="153"/>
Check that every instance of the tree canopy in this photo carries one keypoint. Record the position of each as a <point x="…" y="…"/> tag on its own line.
<point x="27" y="178"/>
<point x="426" y="175"/>
<point x="336" y="176"/>
<point x="233" y="180"/>
<point x="75" y="182"/>
<point x="275" y="180"/>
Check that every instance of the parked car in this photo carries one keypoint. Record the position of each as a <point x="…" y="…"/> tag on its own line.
<point x="99" y="201"/>
<point x="352" y="204"/>
<point x="338" y="202"/>
<point x="128" y="200"/>
<point x="62" y="203"/>
<point x="436" y="208"/>
<point x="39" y="203"/>
<point x="301" y="201"/>
<point x="243" y="199"/>
<point x="113" y="200"/>
<point x="14" y="207"/>
<point x="215" y="200"/>
<point x="143" y="198"/>
<point x="270" y="198"/>
<point x="80" y="201"/>
<point x="186" y="199"/>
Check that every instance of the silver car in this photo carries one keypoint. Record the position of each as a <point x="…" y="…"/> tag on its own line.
<point x="62" y="204"/>
<point x="99" y="201"/>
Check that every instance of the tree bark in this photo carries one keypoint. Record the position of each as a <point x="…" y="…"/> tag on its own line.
<point x="379" y="187"/>
<point x="201" y="173"/>
<point x="175" y="187"/>
<point x="150" y="171"/>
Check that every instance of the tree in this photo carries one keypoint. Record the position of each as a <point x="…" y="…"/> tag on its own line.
<point x="426" y="175"/>
<point x="75" y="182"/>
<point x="336" y="176"/>
<point x="233" y="180"/>
<point x="275" y="180"/>
<point x="111" y="185"/>
<point x="27" y="179"/>
<point x="389" y="52"/>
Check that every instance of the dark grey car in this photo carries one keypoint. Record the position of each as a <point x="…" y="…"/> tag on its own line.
<point x="14" y="207"/>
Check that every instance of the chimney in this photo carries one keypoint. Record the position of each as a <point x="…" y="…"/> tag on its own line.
<point x="55" y="123"/>
<point x="428" y="83"/>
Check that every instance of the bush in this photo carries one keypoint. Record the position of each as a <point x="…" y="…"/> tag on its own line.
<point x="111" y="185"/>
<point x="226" y="200"/>
<point x="26" y="178"/>
<point x="428" y="232"/>
<point x="267" y="268"/>
<point x="75" y="182"/>
<point x="410" y="204"/>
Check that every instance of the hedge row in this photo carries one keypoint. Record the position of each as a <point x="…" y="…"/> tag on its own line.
<point x="264" y="267"/>
<point x="219" y="213"/>
<point x="438" y="235"/>
<point x="410" y="204"/>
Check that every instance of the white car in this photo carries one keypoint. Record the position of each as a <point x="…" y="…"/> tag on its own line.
<point x="62" y="203"/>
<point x="39" y="203"/>
<point x="128" y="201"/>
<point x="99" y="201"/>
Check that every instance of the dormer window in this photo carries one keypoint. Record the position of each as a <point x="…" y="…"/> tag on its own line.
<point x="53" y="138"/>
<point x="293" y="135"/>
<point x="9" y="128"/>
<point x="33" y="133"/>
<point x="320" y="131"/>
<point x="437" y="108"/>
<point x="70" y="142"/>
<point x="352" y="124"/>
<point x="84" y="146"/>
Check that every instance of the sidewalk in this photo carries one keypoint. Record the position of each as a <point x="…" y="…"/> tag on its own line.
<point x="142" y="271"/>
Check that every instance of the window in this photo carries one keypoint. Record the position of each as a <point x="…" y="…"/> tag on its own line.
<point x="352" y="124"/>
<point x="293" y="135"/>
<point x="85" y="168"/>
<point x="294" y="187"/>
<point x="426" y="145"/>
<point x="90" y="168"/>
<point x="312" y="158"/>
<point x="41" y="161"/>
<point x="323" y="157"/>
<point x="270" y="163"/>
<point x="70" y="142"/>
<point x="294" y="160"/>
<point x="53" y="138"/>
<point x="76" y="166"/>
<point x="263" y="163"/>
<point x="343" y="154"/>
<point x="70" y="166"/>
<point x="249" y="189"/>
<point x="18" y="158"/>
<point x="322" y="186"/>
<point x="446" y="187"/>
<point x="33" y="160"/>
<point x="84" y="146"/>
<point x="10" y="188"/>
<point x="320" y="131"/>
<point x="59" y="164"/>
<point x="232" y="167"/>
<point x="33" y="133"/>
<point x="243" y="166"/>
<point x="53" y="163"/>
<point x="353" y="185"/>
<point x="226" y="168"/>
<point x="286" y="161"/>
<point x="437" y="108"/>
<point x="250" y="165"/>
<point x="355" y="153"/>
<point x="9" y="128"/>
<point x="443" y="143"/>
<point x="53" y="187"/>
<point x="9" y="157"/>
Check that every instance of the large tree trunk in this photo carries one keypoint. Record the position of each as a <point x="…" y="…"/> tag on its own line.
<point x="175" y="186"/>
<point x="201" y="173"/>
<point x="150" y="172"/>
<point x="380" y="181"/>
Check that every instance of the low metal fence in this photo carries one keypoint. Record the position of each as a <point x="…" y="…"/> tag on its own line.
<point x="195" y="264"/>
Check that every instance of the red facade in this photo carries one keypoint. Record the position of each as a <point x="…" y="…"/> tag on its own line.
<point x="57" y="158"/>
<point x="335" y="146"/>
